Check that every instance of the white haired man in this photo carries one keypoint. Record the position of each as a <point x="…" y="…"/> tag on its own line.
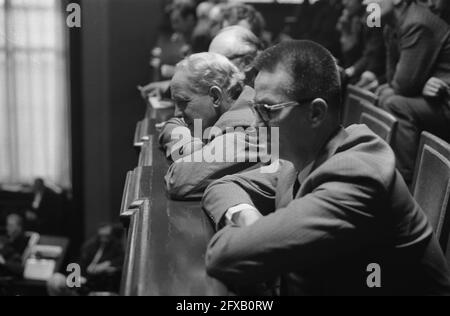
<point x="208" y="92"/>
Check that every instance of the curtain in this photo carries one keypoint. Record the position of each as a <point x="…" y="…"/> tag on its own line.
<point x="34" y="106"/>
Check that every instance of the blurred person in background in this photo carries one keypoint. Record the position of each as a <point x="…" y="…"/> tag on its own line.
<point x="418" y="76"/>
<point x="101" y="264"/>
<point x="246" y="16"/>
<point x="12" y="247"/>
<point x="173" y="47"/>
<point x="363" y="50"/>
<point x="316" y="21"/>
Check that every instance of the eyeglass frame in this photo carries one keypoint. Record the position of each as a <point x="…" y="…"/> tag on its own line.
<point x="277" y="107"/>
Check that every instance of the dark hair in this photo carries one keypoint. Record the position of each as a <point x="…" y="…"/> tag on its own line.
<point x="312" y="67"/>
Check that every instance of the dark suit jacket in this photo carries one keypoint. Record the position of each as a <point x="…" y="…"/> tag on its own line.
<point x="352" y="210"/>
<point x="373" y="56"/>
<point x="12" y="252"/>
<point x="423" y="50"/>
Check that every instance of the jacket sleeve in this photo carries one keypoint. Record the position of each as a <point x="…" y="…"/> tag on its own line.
<point x="374" y="54"/>
<point x="188" y="177"/>
<point x="333" y="220"/>
<point x="253" y="187"/>
<point x="176" y="139"/>
<point x="417" y="48"/>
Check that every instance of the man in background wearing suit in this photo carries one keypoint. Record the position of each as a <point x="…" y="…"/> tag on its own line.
<point x="418" y="75"/>
<point x="13" y="247"/>
<point x="335" y="207"/>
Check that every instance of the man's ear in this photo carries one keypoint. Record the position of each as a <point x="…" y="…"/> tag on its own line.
<point x="318" y="112"/>
<point x="216" y="95"/>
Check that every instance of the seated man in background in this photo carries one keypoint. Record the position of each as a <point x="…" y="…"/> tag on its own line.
<point x="241" y="47"/>
<point x="418" y="76"/>
<point x="13" y="247"/>
<point x="336" y="206"/>
<point x="363" y="51"/>
<point x="171" y="49"/>
<point x="101" y="265"/>
<point x="208" y="88"/>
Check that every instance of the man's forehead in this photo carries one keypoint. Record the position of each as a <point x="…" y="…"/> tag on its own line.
<point x="274" y="83"/>
<point x="227" y="45"/>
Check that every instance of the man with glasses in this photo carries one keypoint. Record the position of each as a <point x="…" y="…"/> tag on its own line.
<point x="335" y="209"/>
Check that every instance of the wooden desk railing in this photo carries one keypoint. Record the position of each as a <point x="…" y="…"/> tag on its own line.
<point x="167" y="240"/>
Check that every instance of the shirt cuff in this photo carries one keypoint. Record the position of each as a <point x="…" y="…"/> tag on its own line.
<point x="237" y="209"/>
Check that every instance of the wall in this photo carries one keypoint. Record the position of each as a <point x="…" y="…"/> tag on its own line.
<point x="117" y="37"/>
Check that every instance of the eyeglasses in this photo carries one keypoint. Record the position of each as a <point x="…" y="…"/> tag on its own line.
<point x="265" y="111"/>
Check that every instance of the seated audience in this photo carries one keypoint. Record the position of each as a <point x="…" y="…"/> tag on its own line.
<point x="317" y="20"/>
<point x="201" y="37"/>
<point x="417" y="92"/>
<point x="101" y="265"/>
<point x="210" y="89"/>
<point x="13" y="247"/>
<point x="363" y="51"/>
<point x="183" y="19"/>
<point x="44" y="215"/>
<point x="171" y="49"/>
<point x="336" y="204"/>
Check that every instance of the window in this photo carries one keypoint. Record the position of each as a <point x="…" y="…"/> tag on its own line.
<point x="34" y="107"/>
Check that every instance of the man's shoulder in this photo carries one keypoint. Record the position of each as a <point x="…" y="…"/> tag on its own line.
<point x="421" y="17"/>
<point x="360" y="154"/>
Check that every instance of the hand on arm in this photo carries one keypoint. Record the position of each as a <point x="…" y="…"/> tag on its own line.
<point x="435" y="87"/>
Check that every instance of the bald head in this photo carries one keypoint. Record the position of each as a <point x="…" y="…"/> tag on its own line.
<point x="238" y="44"/>
<point x="204" y="9"/>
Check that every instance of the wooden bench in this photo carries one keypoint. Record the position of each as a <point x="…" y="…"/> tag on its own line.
<point x="166" y="240"/>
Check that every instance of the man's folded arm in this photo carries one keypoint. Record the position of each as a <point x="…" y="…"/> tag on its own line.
<point x="253" y="188"/>
<point x="189" y="176"/>
<point x="177" y="141"/>
<point x="335" y="219"/>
